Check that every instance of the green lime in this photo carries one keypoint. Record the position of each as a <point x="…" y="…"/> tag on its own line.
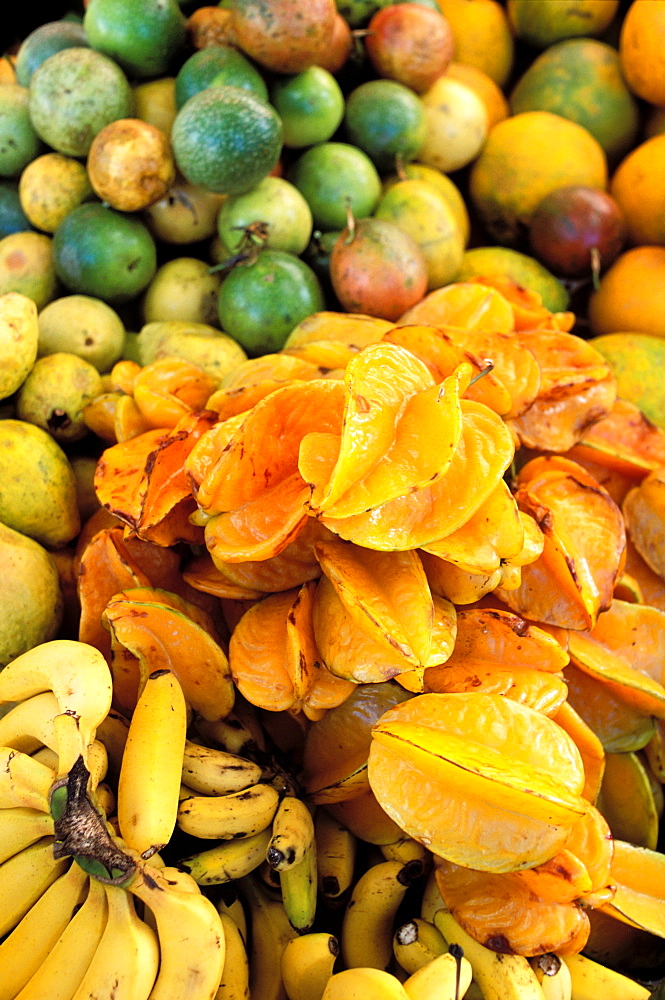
<point x="12" y="217"/>
<point x="142" y="36"/>
<point x="278" y="205"/>
<point x="260" y="303"/>
<point x="386" y="120"/>
<point x="19" y="142"/>
<point x="103" y="253"/>
<point x="73" y="95"/>
<point x="332" y="176"/>
<point x="226" y="139"/>
<point x="43" y="42"/>
<point x="217" y="66"/>
<point x="310" y="104"/>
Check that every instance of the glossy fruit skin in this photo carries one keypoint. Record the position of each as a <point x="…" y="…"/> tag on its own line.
<point x="260" y="303"/>
<point x="100" y="252"/>
<point x="217" y="65"/>
<point x="378" y="269"/>
<point x="572" y="220"/>
<point x="411" y="44"/>
<point x="285" y="36"/>
<point x="332" y="174"/>
<point x="310" y="104"/>
<point x="386" y="120"/>
<point x="43" y="42"/>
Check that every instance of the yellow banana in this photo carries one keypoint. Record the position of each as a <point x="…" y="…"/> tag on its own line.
<point x="79" y="677"/>
<point x="405" y="849"/>
<point x="211" y="771"/>
<point x="149" y="782"/>
<point x="97" y="763"/>
<point x="231" y="734"/>
<point x="103" y="798"/>
<point x="235" y="974"/>
<point x="416" y="943"/>
<point x="23" y="951"/>
<point x="364" y="984"/>
<point x="269" y="933"/>
<point x="24" y="781"/>
<point x="307" y="965"/>
<point x="61" y="972"/>
<point x="500" y="977"/>
<point x="367" y="926"/>
<point x="336" y="850"/>
<point x="230" y="903"/>
<point x="227" y="861"/>
<point x="23" y="879"/>
<point x="592" y="981"/>
<point x="292" y="834"/>
<point x="124" y="966"/>
<point x="431" y="899"/>
<point x="47" y="757"/>
<point x="224" y="817"/>
<point x="191" y="936"/>
<point x="444" y="978"/>
<point x="21" y="827"/>
<point x="554" y="977"/>
<point x="29" y="724"/>
<point x="112" y="732"/>
<point x="298" y="888"/>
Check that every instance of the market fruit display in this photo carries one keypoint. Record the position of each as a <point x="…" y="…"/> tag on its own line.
<point x="332" y="457"/>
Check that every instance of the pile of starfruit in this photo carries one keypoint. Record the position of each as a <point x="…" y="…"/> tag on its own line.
<point x="367" y="691"/>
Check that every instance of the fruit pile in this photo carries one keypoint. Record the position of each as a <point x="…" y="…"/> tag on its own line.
<point x="333" y="647"/>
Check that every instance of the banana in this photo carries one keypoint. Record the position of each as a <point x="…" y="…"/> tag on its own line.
<point x="554" y="977"/>
<point x="406" y="849"/>
<point x="336" y="850"/>
<point x="61" y="972"/>
<point x="307" y="965"/>
<point x="227" y="861"/>
<point x="47" y="757"/>
<point x="149" y="783"/>
<point x="21" y="827"/>
<point x="23" y="879"/>
<point x="97" y="763"/>
<point x="270" y="932"/>
<point x="23" y="951"/>
<point x="191" y="936"/>
<point x="231" y="735"/>
<point x="79" y="677"/>
<point x="292" y="834"/>
<point x="103" y="798"/>
<point x="29" y="724"/>
<point x="446" y="977"/>
<point x="500" y="977"/>
<point x="112" y="732"/>
<point x="298" y="888"/>
<point x="367" y="926"/>
<point x="235" y="974"/>
<point x="224" y="817"/>
<point x="590" y="981"/>
<point x="431" y="899"/>
<point x="230" y="903"/>
<point x="125" y="964"/>
<point x="211" y="771"/>
<point x="24" y="781"/>
<point x="364" y="984"/>
<point x="416" y="943"/>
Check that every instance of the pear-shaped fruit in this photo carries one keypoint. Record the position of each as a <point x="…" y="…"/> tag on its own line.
<point x="32" y="606"/>
<point x="19" y="333"/>
<point x="56" y="392"/>
<point x="37" y="485"/>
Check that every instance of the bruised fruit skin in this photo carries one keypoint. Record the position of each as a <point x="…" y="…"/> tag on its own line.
<point x="285" y="36"/>
<point x="32" y="607"/>
<point x="55" y="394"/>
<point x="130" y="164"/>
<point x="411" y="44"/>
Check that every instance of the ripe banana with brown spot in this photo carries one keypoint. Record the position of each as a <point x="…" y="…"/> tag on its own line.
<point x="592" y="981"/>
<point x="292" y="834"/>
<point x="235" y="974"/>
<point x="228" y="860"/>
<point x="226" y="817"/>
<point x="367" y="927"/>
<point x="24" y="781"/>
<point x="554" y="977"/>
<point x="211" y="771"/>
<point x="416" y="943"/>
<point x="446" y="977"/>
<point x="298" y="888"/>
<point x="336" y="850"/>
<point x="23" y="879"/>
